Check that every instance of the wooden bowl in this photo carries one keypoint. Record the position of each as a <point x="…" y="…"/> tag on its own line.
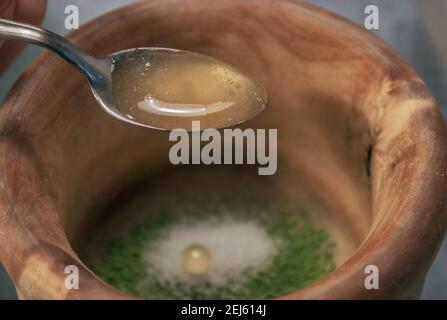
<point x="361" y="144"/>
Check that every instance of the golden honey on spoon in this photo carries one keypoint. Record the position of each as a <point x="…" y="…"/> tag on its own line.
<point x="168" y="88"/>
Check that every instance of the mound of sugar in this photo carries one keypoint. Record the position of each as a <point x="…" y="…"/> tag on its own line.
<point x="235" y="246"/>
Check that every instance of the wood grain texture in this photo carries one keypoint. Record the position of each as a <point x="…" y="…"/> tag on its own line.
<point x="337" y="94"/>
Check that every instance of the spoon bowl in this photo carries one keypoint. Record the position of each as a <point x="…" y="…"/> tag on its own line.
<point x="163" y="88"/>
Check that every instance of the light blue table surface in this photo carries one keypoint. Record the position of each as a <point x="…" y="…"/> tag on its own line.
<point x="400" y="26"/>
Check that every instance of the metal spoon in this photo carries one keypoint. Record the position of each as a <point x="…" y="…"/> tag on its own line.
<point x="98" y="71"/>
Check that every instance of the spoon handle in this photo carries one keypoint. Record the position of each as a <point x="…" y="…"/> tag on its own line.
<point x="94" y="68"/>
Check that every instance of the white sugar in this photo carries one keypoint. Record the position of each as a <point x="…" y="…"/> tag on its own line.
<point x="235" y="246"/>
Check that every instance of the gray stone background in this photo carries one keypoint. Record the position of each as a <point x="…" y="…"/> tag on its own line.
<point x="401" y="26"/>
